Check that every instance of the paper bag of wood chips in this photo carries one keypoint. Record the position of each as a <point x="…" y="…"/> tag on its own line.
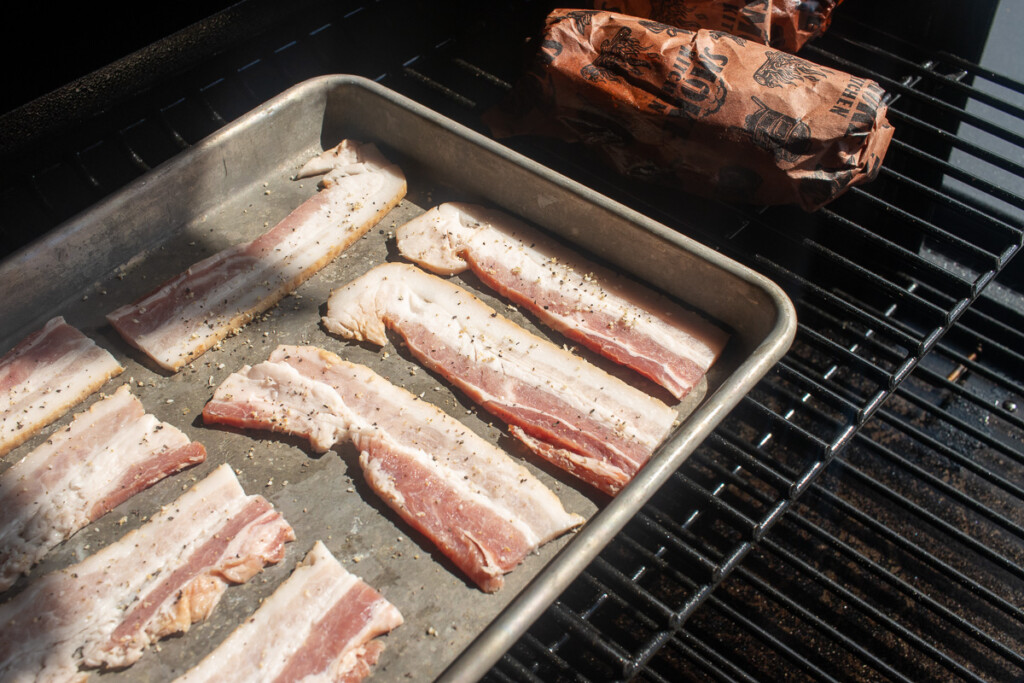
<point x="705" y="111"/>
<point x="782" y="24"/>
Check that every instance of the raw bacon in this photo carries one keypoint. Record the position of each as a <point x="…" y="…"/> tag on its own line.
<point x="568" y="411"/>
<point x="48" y="372"/>
<point x="484" y="511"/>
<point x="319" y="624"/>
<point x="154" y="582"/>
<point x="108" y="454"/>
<point x="605" y="312"/>
<point x="193" y="311"/>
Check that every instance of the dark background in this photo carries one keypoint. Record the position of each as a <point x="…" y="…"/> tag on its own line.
<point x="45" y="47"/>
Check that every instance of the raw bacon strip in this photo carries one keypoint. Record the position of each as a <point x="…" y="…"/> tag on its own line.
<point x="154" y="582"/>
<point x="319" y="623"/>
<point x="108" y="454"/>
<point x="484" y="511"/>
<point x="569" y="410"/>
<point x="602" y="310"/>
<point x="51" y="370"/>
<point x="193" y="311"/>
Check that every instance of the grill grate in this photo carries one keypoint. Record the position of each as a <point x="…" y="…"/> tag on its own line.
<point x="875" y="291"/>
<point x="904" y="560"/>
<point x="863" y="504"/>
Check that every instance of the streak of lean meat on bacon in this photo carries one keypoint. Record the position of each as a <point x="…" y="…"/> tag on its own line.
<point x="105" y="456"/>
<point x="191" y="312"/>
<point x="319" y="624"/>
<point x="154" y="582"/>
<point x="606" y="312"/>
<point x="566" y="410"/>
<point x="484" y="511"/>
<point x="47" y="373"/>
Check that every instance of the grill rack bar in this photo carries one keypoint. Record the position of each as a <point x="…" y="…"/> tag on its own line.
<point x="965" y="177"/>
<point x="897" y="86"/>
<point x="955" y="83"/>
<point x="935" y="482"/>
<point x="836" y="507"/>
<point x="946" y="200"/>
<point x="849" y="511"/>
<point x="907" y="546"/>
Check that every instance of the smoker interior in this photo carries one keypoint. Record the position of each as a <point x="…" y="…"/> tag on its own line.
<point x="860" y="515"/>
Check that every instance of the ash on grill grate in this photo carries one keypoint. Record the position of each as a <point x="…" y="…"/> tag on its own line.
<point x="904" y="561"/>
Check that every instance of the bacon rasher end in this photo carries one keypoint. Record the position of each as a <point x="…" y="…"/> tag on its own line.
<point x="191" y="312"/>
<point x="105" y="456"/>
<point x="320" y="624"/>
<point x="47" y="373"/>
<point x="154" y="582"/>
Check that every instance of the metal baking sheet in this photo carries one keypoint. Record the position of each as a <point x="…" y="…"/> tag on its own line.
<point x="232" y="187"/>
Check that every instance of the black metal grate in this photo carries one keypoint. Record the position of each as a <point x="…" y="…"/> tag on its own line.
<point x="878" y="277"/>
<point x="901" y="556"/>
<point x="904" y="561"/>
